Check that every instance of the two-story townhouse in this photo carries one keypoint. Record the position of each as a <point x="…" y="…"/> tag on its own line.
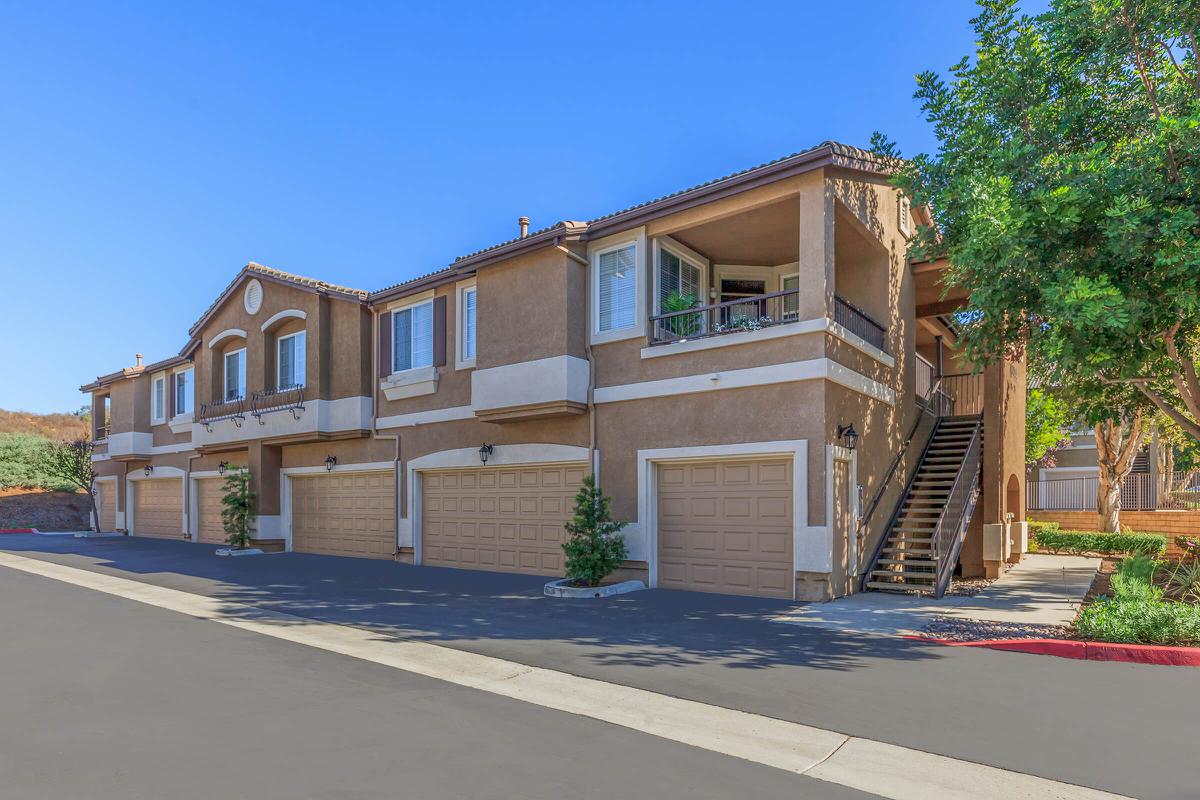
<point x="765" y="386"/>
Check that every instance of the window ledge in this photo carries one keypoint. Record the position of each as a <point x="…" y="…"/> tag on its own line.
<point x="410" y="383"/>
<point x="181" y="423"/>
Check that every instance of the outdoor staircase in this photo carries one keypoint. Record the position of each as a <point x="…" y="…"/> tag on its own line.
<point x="929" y="525"/>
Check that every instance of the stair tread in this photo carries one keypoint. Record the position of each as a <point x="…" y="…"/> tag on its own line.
<point x="896" y="587"/>
<point x="915" y="562"/>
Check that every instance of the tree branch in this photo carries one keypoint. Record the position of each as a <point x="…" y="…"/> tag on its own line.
<point x="1191" y="428"/>
<point x="1187" y="383"/>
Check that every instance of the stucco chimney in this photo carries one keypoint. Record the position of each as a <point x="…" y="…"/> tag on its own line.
<point x="524" y="223"/>
<point x="138" y="356"/>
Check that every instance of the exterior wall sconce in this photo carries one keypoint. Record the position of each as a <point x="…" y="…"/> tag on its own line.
<point x="222" y="467"/>
<point x="485" y="452"/>
<point x="330" y="461"/>
<point x="148" y="470"/>
<point x="848" y="434"/>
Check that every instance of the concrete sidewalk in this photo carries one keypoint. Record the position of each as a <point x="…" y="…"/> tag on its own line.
<point x="1041" y="590"/>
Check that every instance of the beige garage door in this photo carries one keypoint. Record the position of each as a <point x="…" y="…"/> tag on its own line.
<point x="209" y="527"/>
<point x="158" y="508"/>
<point x="504" y="519"/>
<point x="726" y="526"/>
<point x="345" y="515"/>
<point x="106" y="504"/>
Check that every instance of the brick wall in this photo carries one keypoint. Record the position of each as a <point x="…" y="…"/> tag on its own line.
<point x="1168" y="523"/>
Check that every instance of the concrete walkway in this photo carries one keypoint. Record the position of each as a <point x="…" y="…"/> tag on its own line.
<point x="1041" y="590"/>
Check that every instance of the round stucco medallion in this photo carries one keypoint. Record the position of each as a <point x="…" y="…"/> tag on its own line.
<point x="253" y="297"/>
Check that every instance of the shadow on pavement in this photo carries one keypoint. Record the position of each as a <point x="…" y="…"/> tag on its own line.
<point x="653" y="628"/>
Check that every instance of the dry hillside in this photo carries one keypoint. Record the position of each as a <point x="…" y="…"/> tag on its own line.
<point x="50" y="426"/>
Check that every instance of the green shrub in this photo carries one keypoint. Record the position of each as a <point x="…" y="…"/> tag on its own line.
<point x="1037" y="527"/>
<point x="237" y="513"/>
<point x="22" y="465"/>
<point x="594" y="546"/>
<point x="1132" y="580"/>
<point x="1147" y="621"/>
<point x="1076" y="542"/>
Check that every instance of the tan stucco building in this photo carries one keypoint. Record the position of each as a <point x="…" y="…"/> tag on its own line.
<point x="704" y="354"/>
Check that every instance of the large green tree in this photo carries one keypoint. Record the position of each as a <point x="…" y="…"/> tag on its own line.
<point x="1065" y="193"/>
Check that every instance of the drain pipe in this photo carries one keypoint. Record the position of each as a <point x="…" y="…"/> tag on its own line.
<point x="376" y="435"/>
<point x="587" y="350"/>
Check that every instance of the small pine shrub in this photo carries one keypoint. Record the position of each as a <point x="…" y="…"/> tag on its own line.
<point x="237" y="513"/>
<point x="594" y="546"/>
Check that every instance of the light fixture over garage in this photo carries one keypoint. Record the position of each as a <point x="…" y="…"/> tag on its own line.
<point x="485" y="452"/>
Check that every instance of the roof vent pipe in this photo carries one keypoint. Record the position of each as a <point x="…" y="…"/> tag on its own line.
<point x="138" y="356"/>
<point x="524" y="223"/>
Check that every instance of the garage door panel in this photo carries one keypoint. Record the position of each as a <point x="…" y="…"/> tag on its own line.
<point x="726" y="527"/>
<point x="345" y="515"/>
<point x="158" y="508"/>
<point x="210" y="528"/>
<point x="512" y="517"/>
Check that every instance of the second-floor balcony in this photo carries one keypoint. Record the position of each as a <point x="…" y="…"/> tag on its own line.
<point x="752" y="314"/>
<point x="259" y="404"/>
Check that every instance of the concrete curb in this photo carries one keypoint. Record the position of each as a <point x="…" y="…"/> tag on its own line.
<point x="19" y="530"/>
<point x="560" y="589"/>
<point x="249" y="551"/>
<point x="1162" y="655"/>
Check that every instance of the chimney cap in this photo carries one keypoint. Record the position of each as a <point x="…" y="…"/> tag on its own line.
<point x="523" y="222"/>
<point x="138" y="356"/>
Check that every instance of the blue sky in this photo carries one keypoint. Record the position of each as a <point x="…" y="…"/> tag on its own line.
<point x="149" y="150"/>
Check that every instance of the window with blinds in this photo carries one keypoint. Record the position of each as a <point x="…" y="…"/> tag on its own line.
<point x="617" y="292"/>
<point x="290" y="360"/>
<point x="158" y="408"/>
<point x="412" y="337"/>
<point x="677" y="276"/>
<point x="235" y="375"/>
<point x="183" y="392"/>
<point x="468" y="333"/>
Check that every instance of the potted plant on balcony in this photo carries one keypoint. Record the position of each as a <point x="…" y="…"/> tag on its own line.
<point x="683" y="325"/>
<point x="237" y="513"/>
<point x="594" y="549"/>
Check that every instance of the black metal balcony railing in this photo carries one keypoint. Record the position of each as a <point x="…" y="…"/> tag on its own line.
<point x="221" y="410"/>
<point x="732" y="316"/>
<point x="855" y="320"/>
<point x="290" y="398"/>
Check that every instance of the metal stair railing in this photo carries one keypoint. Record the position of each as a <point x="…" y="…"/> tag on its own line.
<point x="951" y="528"/>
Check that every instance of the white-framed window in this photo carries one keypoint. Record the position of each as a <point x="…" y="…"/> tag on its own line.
<point x="616" y="295"/>
<point x="183" y="391"/>
<point x="467" y="325"/>
<point x="235" y="375"/>
<point x="158" y="399"/>
<point x="290" y="360"/>
<point x="412" y="337"/>
<point x="678" y="271"/>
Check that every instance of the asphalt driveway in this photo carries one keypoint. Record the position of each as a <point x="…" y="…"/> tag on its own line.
<point x="111" y="699"/>
<point x="1120" y="727"/>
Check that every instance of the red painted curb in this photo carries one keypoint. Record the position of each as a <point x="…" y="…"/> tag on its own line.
<point x="1088" y="651"/>
<point x="18" y="530"/>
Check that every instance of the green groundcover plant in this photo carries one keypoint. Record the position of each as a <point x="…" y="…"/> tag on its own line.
<point x="1137" y="612"/>
<point x="1057" y="540"/>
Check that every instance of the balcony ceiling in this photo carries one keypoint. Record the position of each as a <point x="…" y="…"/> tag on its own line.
<point x="765" y="236"/>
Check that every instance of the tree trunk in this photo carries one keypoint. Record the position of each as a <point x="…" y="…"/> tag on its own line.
<point x="92" y="500"/>
<point x="1108" y="504"/>
<point x="1115" y="451"/>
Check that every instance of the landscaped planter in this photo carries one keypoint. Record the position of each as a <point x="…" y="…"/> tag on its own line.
<point x="233" y="551"/>
<point x="562" y="588"/>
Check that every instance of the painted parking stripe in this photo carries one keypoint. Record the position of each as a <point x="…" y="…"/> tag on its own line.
<point x="883" y="769"/>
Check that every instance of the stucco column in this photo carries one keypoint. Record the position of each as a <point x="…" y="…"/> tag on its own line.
<point x="265" y="463"/>
<point x="816" y="255"/>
